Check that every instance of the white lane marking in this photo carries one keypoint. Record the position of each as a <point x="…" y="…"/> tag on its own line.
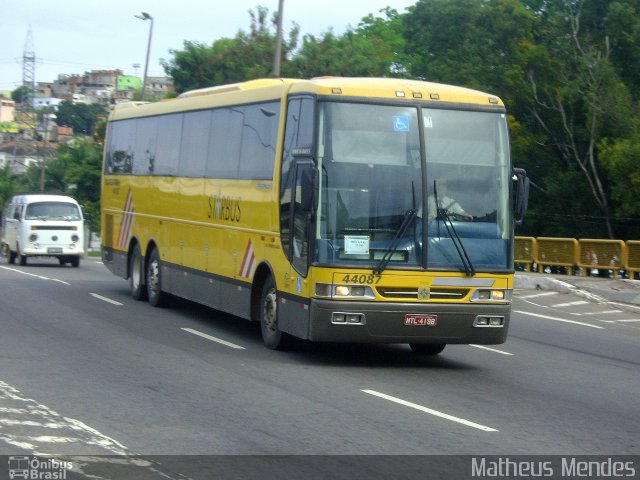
<point x="34" y="275"/>
<point x="50" y="439"/>
<point x="628" y="320"/>
<point x="213" y="339"/>
<point x="536" y="295"/>
<point x="626" y="306"/>
<point x="603" y="313"/>
<point x="570" y="304"/>
<point x="104" y="299"/>
<point x="490" y="349"/>
<point x="31" y="413"/>
<point x="536" y="304"/>
<point x="556" y="319"/>
<point x="430" y="411"/>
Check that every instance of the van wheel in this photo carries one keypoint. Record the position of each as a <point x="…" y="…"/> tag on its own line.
<point x="22" y="259"/>
<point x="427" y="348"/>
<point x="156" y="296"/>
<point x="12" y="256"/>
<point x="136" y="274"/>
<point x="75" y="262"/>
<point x="272" y="337"/>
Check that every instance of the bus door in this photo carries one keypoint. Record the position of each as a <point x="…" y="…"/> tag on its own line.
<point x="302" y="215"/>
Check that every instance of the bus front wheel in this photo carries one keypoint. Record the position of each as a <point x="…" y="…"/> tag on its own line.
<point x="156" y="296"/>
<point x="427" y="348"/>
<point x="272" y="336"/>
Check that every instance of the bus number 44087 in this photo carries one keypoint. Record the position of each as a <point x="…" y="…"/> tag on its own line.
<point x="362" y="279"/>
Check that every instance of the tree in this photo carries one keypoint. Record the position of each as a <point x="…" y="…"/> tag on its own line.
<point x="82" y="118"/>
<point x="8" y="184"/>
<point x="481" y="44"/>
<point x="245" y="57"/>
<point x="576" y="105"/>
<point x="621" y="158"/>
<point x="76" y="171"/>
<point x="19" y="94"/>
<point x="350" y="54"/>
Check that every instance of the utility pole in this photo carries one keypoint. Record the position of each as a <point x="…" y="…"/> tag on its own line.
<point x="278" y="52"/>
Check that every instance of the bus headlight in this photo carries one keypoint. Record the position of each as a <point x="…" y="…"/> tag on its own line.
<point x="33" y="237"/>
<point x="75" y="238"/>
<point x="343" y="291"/>
<point x="328" y="290"/>
<point x="492" y="295"/>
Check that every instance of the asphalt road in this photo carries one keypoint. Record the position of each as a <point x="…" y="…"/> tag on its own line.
<point x="86" y="370"/>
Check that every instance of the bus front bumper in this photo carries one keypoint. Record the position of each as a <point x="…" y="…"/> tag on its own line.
<point x="375" y="322"/>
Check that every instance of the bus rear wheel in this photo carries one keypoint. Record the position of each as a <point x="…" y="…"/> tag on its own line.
<point x="427" y="348"/>
<point x="272" y="336"/>
<point x="136" y="274"/>
<point x="156" y="296"/>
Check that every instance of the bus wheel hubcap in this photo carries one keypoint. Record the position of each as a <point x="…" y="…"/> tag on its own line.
<point x="154" y="277"/>
<point x="136" y="271"/>
<point x="270" y="311"/>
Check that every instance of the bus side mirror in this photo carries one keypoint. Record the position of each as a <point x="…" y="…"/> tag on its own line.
<point x="521" y="194"/>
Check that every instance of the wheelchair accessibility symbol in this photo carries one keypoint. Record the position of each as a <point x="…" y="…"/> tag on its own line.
<point x="401" y="123"/>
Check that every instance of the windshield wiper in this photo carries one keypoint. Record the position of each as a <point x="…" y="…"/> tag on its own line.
<point x="443" y="214"/>
<point x="457" y="242"/>
<point x="409" y="216"/>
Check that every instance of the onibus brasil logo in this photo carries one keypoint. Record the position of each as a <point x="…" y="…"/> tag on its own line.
<point x="35" y="468"/>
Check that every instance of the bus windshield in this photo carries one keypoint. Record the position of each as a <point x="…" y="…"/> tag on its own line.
<point x="411" y="187"/>
<point x="52" y="211"/>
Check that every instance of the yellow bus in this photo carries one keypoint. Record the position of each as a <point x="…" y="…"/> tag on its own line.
<point x="330" y="209"/>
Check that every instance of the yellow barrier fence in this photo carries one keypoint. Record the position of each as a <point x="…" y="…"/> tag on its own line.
<point x="632" y="263"/>
<point x="601" y="254"/>
<point x="561" y="252"/>
<point x="525" y="251"/>
<point x="590" y="255"/>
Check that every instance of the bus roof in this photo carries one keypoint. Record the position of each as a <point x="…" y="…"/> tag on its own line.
<point x="274" y="88"/>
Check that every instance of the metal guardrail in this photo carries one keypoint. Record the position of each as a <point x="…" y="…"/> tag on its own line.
<point x="589" y="255"/>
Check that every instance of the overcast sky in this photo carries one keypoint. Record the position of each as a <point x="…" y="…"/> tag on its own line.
<point x="74" y="36"/>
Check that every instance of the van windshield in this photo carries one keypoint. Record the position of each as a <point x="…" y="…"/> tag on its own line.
<point x="52" y="211"/>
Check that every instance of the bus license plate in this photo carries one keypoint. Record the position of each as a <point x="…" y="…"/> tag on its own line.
<point x="421" y="320"/>
<point x="54" y="250"/>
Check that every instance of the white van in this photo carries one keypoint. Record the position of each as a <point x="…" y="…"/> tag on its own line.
<point x="43" y="225"/>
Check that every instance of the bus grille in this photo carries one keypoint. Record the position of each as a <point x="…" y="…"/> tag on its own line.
<point x="412" y="293"/>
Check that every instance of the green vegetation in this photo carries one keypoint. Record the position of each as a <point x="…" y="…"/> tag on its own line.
<point x="568" y="71"/>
